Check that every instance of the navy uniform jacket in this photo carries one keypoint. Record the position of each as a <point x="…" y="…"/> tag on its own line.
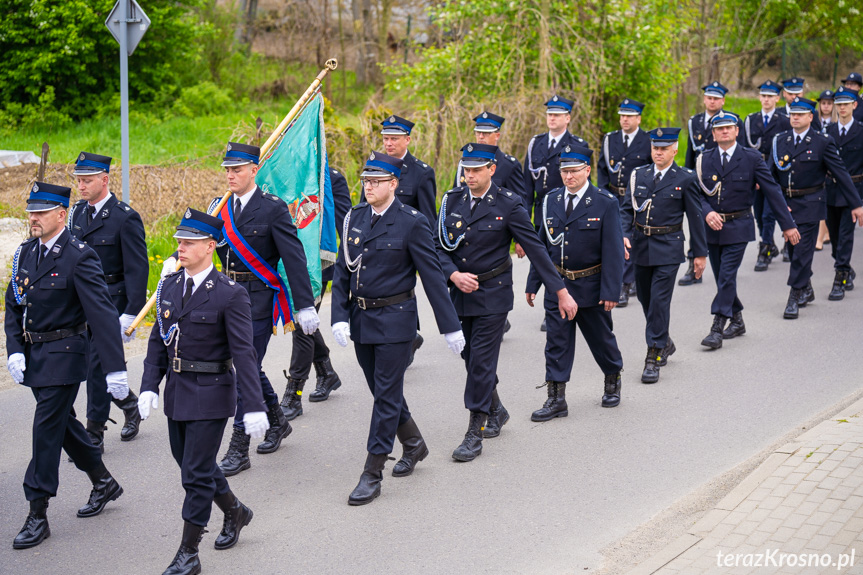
<point x="215" y="325"/>
<point x="700" y="138"/>
<point x="417" y="187"/>
<point x="399" y="246"/>
<point x="851" y="151"/>
<point x="67" y="290"/>
<point x="342" y="203"/>
<point x="806" y="166"/>
<point x="508" y="174"/>
<point x="754" y="135"/>
<point x="623" y="161"/>
<point x="117" y="236"/>
<point x="677" y="194"/>
<point x="267" y="226"/>
<point x="546" y="168"/>
<point x="591" y="236"/>
<point x="488" y="233"/>
<point x="745" y="169"/>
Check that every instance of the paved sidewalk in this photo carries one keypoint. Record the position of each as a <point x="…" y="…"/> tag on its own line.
<point x="805" y="499"/>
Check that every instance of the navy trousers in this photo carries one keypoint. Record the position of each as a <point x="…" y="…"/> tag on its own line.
<point x="262" y="330"/>
<point x="195" y="446"/>
<point x="725" y="260"/>
<point x="483" y="335"/>
<point x="764" y="217"/>
<point x="307" y="349"/>
<point x="596" y="326"/>
<point x="384" y="366"/>
<point x="801" y="255"/>
<point x="54" y="428"/>
<point x="655" y="286"/>
<point x="841" y="228"/>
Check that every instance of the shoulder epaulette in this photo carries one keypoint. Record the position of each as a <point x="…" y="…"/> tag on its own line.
<point x="359" y="205"/>
<point x="457" y="189"/>
<point x="271" y="197"/>
<point x="123" y="206"/>
<point x="410" y="210"/>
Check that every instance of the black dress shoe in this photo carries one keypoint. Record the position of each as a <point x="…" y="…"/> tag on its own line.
<point x="651" y="365"/>
<point x="237" y="457"/>
<point x="763" y="257"/>
<point x="632" y="289"/>
<point x="667" y="352"/>
<point x="792" y="307"/>
<point x="611" y="398"/>
<point x="555" y="404"/>
<point x="735" y="327"/>
<point x="623" y="300"/>
<point x="237" y="516"/>
<point x="714" y="338"/>
<point x="35" y="529"/>
<point x="542" y="326"/>
<point x="689" y="277"/>
<point x="105" y="489"/>
<point x="369" y="486"/>
<point x="507" y="326"/>
<point x="417" y="343"/>
<point x="186" y="561"/>
<point x="471" y="446"/>
<point x="785" y="257"/>
<point x="132" y="422"/>
<point x="279" y="429"/>
<point x="327" y="381"/>
<point x="292" y="400"/>
<point x="414" y="448"/>
<point x="497" y="417"/>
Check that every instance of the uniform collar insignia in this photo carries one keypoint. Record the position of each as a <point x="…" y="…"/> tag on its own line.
<point x="209" y="284"/>
<point x="587" y="201"/>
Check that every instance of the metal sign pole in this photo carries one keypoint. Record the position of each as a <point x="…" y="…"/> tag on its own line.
<point x="124" y="95"/>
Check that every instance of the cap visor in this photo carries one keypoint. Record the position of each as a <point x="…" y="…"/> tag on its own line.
<point x="475" y="163"/>
<point x="627" y="112"/>
<point x="714" y="94"/>
<point x="191" y="235"/>
<point x="377" y="174"/>
<point x="486" y="129"/>
<point x="656" y="144"/>
<point x="42" y="207"/>
<point x="233" y="162"/>
<point x="556" y="111"/>
<point x="571" y="164"/>
<point x="393" y="132"/>
<point x="87" y="171"/>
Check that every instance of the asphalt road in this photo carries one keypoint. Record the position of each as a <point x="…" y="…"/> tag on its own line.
<point x="542" y="498"/>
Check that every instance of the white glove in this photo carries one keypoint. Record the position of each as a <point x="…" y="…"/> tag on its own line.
<point x="169" y="267"/>
<point x="118" y="386"/>
<point x="126" y="321"/>
<point x="342" y="331"/>
<point x="17" y="365"/>
<point x="256" y="424"/>
<point x="455" y="341"/>
<point x="308" y="320"/>
<point x="146" y="401"/>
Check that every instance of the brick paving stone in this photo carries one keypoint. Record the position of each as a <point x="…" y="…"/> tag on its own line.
<point x="831" y="528"/>
<point x="746" y="527"/>
<point x="818" y="518"/>
<point x="806" y="487"/>
<point x="830" y="505"/>
<point x="819" y="495"/>
<point x="830" y="483"/>
<point x="795" y="520"/>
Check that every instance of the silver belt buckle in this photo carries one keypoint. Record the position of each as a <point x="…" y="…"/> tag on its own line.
<point x="646" y="231"/>
<point x="361" y="303"/>
<point x="177" y="365"/>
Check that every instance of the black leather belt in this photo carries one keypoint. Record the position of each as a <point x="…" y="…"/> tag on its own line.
<point x="180" y="365"/>
<point x="616" y="190"/>
<point x="857" y="179"/>
<point x="575" y="274"/>
<point x="658" y="230"/>
<point x="113" y="278"/>
<point x="727" y="217"/>
<point x="36" y="337"/>
<point x="241" y="276"/>
<point x="374" y="303"/>
<point x="792" y="193"/>
<point x="485" y="276"/>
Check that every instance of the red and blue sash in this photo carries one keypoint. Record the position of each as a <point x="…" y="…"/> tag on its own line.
<point x="254" y="262"/>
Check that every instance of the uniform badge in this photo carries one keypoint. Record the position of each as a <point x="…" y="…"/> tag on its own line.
<point x="20" y="290"/>
<point x="781" y="163"/>
<point x="229" y="147"/>
<point x="699" y="136"/>
<point x="611" y="162"/>
<point x="786" y="157"/>
<point x="450" y="235"/>
<point x="509" y="193"/>
<point x="167" y="313"/>
<point x="551" y="230"/>
<point x="104" y="213"/>
<point x="414" y="212"/>
<point x="372" y="156"/>
<point x="485" y="114"/>
<point x="357" y="241"/>
<point x="188" y="214"/>
<point x="554" y="99"/>
<point x="458" y="224"/>
<point x="568" y="149"/>
<point x="35" y="187"/>
<point x="209" y="284"/>
<point x="392" y="119"/>
<point x="231" y="282"/>
<point x="26" y="281"/>
<point x="626" y="101"/>
<point x="81" y="157"/>
<point x="659" y="132"/>
<point x="714" y="177"/>
<point x="470" y="147"/>
<point x="587" y="201"/>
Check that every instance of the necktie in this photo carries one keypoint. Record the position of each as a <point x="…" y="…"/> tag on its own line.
<point x="724" y="159"/>
<point x="656" y="178"/>
<point x="626" y="141"/>
<point x="551" y="143"/>
<point x="570" y="204"/>
<point x="474" y="204"/>
<point x="43" y="253"/>
<point x="842" y="132"/>
<point x="190" y="285"/>
<point x="91" y="213"/>
<point x="766" y="120"/>
<point x="375" y="218"/>
<point x="797" y="143"/>
<point x="238" y="209"/>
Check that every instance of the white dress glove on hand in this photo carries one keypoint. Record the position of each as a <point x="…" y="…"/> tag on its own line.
<point x="308" y="320"/>
<point x="126" y="321"/>
<point x="17" y="365"/>
<point x="146" y="401"/>
<point x="169" y="267"/>
<point x="118" y="385"/>
<point x="342" y="331"/>
<point x="256" y="424"/>
<point x="455" y="341"/>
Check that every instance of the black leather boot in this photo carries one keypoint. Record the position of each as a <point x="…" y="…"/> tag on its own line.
<point x="806" y="295"/>
<point x="849" y="282"/>
<point x="237" y="457"/>
<point x="623" y="300"/>
<point x="471" y="447"/>
<point x="735" y="327"/>
<point x="105" y="489"/>
<point x="414" y="448"/>
<point x="611" y="398"/>
<point x="714" y="338"/>
<point x="542" y="326"/>
<point x="667" y="352"/>
<point x="763" y="257"/>
<point x="369" y="486"/>
<point x="237" y="516"/>
<point x="497" y="417"/>
<point x="555" y="405"/>
<point x="279" y="429"/>
<point x="689" y="278"/>
<point x="130" y="412"/>
<point x="35" y="529"/>
<point x="785" y="256"/>
<point x="792" y="308"/>
<point x="292" y="401"/>
<point x="186" y="561"/>
<point x="327" y="381"/>
<point x="651" y="365"/>
<point x="837" y="293"/>
<point x="96" y="431"/>
<point x="417" y="343"/>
